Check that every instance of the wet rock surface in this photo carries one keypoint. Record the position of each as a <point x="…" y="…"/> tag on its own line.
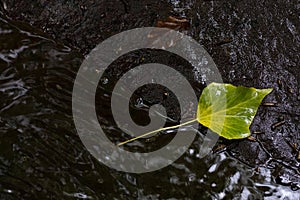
<point x="83" y="24"/>
<point x="253" y="43"/>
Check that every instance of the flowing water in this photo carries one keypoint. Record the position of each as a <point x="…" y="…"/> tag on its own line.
<point x="42" y="157"/>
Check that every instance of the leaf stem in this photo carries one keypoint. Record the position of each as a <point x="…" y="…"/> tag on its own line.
<point x="155" y="131"/>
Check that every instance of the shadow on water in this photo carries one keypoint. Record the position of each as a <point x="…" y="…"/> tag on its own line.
<point x="41" y="155"/>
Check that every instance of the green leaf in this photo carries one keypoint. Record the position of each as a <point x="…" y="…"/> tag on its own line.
<point x="229" y="110"/>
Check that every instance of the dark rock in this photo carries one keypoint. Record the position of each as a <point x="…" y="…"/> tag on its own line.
<point x="254" y="43"/>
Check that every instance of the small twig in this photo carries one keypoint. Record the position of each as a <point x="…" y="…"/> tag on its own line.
<point x="271" y="104"/>
<point x="251" y="138"/>
<point x="277" y="124"/>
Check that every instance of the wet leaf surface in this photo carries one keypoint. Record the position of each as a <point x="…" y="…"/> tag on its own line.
<point x="229" y="110"/>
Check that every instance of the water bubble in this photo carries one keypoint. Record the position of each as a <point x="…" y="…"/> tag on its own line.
<point x="201" y="180"/>
<point x="139" y="102"/>
<point x="191" y="151"/>
<point x="104" y="81"/>
<point x="80" y="196"/>
<point x="192" y="177"/>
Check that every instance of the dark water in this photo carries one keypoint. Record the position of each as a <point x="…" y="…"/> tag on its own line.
<point x="42" y="157"/>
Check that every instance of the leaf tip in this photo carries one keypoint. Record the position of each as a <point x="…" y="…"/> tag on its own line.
<point x="269" y="90"/>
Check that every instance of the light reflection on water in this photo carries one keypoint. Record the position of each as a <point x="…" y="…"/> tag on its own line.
<point x="41" y="155"/>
